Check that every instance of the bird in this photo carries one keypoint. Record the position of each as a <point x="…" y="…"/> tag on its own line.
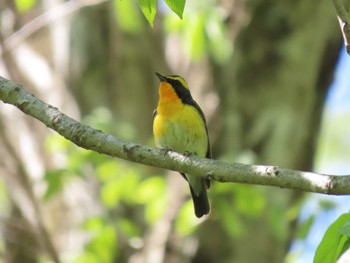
<point x="180" y="125"/>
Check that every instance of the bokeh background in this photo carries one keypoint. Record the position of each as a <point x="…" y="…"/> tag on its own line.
<point x="271" y="77"/>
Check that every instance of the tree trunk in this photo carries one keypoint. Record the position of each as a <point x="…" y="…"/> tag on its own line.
<point x="272" y="94"/>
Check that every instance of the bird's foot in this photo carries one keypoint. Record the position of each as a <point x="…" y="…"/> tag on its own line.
<point x="166" y="150"/>
<point x="188" y="154"/>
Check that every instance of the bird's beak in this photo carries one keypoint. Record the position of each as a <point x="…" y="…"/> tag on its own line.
<point x="160" y="77"/>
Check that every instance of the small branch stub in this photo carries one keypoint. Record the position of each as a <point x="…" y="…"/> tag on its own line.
<point x="344" y="22"/>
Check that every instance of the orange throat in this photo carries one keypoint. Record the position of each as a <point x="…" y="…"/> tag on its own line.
<point x="169" y="103"/>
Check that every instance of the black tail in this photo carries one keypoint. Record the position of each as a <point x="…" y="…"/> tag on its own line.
<point x="201" y="202"/>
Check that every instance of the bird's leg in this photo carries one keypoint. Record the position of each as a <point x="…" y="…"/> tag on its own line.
<point x="166" y="149"/>
<point x="188" y="154"/>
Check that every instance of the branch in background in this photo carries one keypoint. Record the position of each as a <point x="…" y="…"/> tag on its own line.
<point x="44" y="19"/>
<point x="344" y="22"/>
<point x="92" y="139"/>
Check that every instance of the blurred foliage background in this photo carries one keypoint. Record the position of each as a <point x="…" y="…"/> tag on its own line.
<point x="260" y="70"/>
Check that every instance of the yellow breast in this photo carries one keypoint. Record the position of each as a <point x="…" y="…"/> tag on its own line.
<point x="183" y="130"/>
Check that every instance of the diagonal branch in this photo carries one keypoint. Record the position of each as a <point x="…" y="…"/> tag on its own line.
<point x="92" y="139"/>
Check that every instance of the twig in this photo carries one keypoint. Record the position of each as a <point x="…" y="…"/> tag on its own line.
<point x="92" y="139"/>
<point x="343" y="18"/>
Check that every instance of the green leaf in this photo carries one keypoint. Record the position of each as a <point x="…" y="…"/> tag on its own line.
<point x="55" y="143"/>
<point x="195" y="37"/>
<point x="305" y="226"/>
<point x="150" y="189"/>
<point x="334" y="242"/>
<point x="220" y="46"/>
<point x="120" y="188"/>
<point x="149" y="9"/>
<point x="107" y="170"/>
<point x="345" y="230"/>
<point x="86" y="258"/>
<point x="155" y="209"/>
<point x="104" y="244"/>
<point x="93" y="224"/>
<point x="54" y="181"/>
<point x="186" y="222"/>
<point x="230" y="220"/>
<point x="326" y="205"/>
<point x="151" y="193"/>
<point x="278" y="222"/>
<point x="111" y="193"/>
<point x="128" y="227"/>
<point x="25" y="5"/>
<point x="177" y="6"/>
<point x="127" y="16"/>
<point x="249" y="200"/>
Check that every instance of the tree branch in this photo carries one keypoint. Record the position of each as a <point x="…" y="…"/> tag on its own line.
<point x="343" y="18"/>
<point x="92" y="139"/>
